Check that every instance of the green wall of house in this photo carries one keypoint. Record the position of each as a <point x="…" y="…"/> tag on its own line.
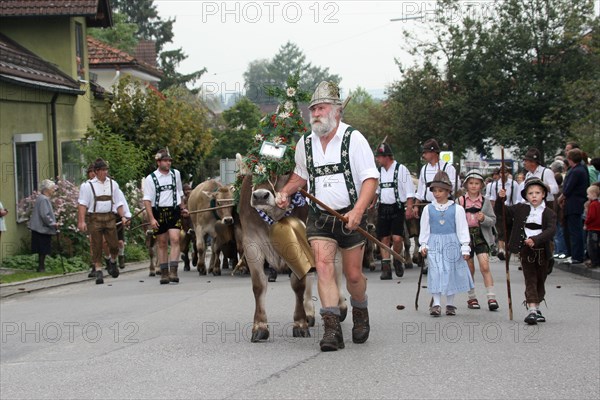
<point x="27" y="110"/>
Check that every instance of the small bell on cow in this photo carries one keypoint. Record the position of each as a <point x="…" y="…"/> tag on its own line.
<point x="288" y="238"/>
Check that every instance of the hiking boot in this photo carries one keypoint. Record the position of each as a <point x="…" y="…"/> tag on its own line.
<point x="113" y="270"/>
<point x="173" y="274"/>
<point x="332" y="333"/>
<point x="361" y="328"/>
<point x="398" y="268"/>
<point x="92" y="273"/>
<point x="164" y="276"/>
<point x="99" y="278"/>
<point x="386" y="270"/>
<point x="121" y="262"/>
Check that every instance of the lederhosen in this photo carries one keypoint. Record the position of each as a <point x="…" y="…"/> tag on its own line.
<point x="390" y="217"/>
<point x="167" y="217"/>
<point x="321" y="224"/>
<point x="478" y="243"/>
<point x="102" y="225"/>
<point x="535" y="263"/>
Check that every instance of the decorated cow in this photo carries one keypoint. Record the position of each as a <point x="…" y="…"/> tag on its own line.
<point x="272" y="235"/>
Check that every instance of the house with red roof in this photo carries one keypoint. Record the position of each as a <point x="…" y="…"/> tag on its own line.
<point x="45" y="96"/>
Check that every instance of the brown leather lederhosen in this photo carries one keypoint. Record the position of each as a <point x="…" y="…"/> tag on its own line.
<point x="103" y="225"/>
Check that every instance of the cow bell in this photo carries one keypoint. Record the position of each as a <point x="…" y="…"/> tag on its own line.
<point x="288" y="238"/>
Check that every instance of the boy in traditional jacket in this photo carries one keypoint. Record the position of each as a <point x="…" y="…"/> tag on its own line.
<point x="533" y="230"/>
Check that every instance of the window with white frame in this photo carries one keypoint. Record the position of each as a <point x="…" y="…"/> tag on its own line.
<point x="25" y="155"/>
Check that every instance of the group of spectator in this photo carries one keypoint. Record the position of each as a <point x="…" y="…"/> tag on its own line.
<point x="573" y="183"/>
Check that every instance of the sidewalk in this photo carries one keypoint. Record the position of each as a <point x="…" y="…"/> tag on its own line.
<point x="46" y="282"/>
<point x="579" y="269"/>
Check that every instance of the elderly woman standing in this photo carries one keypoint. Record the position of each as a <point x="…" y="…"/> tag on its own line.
<point x="43" y="223"/>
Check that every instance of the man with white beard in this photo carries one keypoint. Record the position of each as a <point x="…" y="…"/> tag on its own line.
<point x="336" y="162"/>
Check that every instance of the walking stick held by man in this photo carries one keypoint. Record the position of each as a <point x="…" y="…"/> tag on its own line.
<point x="507" y="258"/>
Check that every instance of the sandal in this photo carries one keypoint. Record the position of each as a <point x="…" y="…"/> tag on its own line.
<point x="450" y="310"/>
<point x="493" y="304"/>
<point x="473" y="304"/>
<point x="436" y="311"/>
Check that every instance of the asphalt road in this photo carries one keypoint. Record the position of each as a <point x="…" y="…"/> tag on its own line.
<point x="132" y="338"/>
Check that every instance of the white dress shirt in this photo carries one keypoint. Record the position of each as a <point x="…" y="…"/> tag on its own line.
<point x="406" y="187"/>
<point x="331" y="189"/>
<point x="166" y="196"/>
<point x="86" y="196"/>
<point x="423" y="192"/>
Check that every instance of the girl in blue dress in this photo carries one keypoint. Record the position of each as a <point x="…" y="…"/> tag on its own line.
<point x="445" y="241"/>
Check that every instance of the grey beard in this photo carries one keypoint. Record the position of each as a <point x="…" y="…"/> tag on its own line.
<point x="322" y="129"/>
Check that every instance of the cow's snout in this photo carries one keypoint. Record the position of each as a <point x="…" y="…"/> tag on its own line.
<point x="261" y="196"/>
<point x="228" y="220"/>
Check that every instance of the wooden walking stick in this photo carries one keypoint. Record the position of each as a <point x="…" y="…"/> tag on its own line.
<point x="421" y="266"/>
<point x="507" y="258"/>
<point x="360" y="230"/>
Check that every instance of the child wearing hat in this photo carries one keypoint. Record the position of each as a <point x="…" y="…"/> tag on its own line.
<point x="534" y="226"/>
<point x="445" y="241"/>
<point x="480" y="219"/>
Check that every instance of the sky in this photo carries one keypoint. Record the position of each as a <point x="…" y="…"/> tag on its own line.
<point x="354" y="39"/>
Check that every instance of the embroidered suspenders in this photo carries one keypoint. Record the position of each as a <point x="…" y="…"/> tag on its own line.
<point x="393" y="185"/>
<point x="343" y="165"/>
<point x="158" y="188"/>
<point x="104" y="197"/>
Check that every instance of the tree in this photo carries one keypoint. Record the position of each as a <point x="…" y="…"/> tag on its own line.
<point x="289" y="60"/>
<point x="127" y="161"/>
<point x="371" y="118"/>
<point x="150" y="26"/>
<point x="151" y="121"/>
<point x="122" y="35"/>
<point x="501" y="74"/>
<point x="169" y="61"/>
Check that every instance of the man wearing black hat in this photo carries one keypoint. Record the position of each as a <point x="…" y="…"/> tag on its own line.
<point x="163" y="193"/>
<point x="431" y="154"/>
<point x="533" y="164"/>
<point x="396" y="192"/>
<point x="99" y="202"/>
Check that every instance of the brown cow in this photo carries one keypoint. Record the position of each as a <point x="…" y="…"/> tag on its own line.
<point x="209" y="194"/>
<point x="258" y="249"/>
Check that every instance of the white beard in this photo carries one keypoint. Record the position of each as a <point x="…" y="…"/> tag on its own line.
<point x="324" y="125"/>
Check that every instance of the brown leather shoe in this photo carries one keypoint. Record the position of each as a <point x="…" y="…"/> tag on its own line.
<point x="332" y="333"/>
<point x="361" y="328"/>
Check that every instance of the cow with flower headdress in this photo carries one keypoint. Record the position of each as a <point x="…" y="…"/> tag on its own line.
<point x="270" y="234"/>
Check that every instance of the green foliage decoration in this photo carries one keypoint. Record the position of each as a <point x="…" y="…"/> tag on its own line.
<point x="282" y="127"/>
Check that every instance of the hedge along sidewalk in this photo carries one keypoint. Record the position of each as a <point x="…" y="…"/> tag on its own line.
<point x="46" y="282"/>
